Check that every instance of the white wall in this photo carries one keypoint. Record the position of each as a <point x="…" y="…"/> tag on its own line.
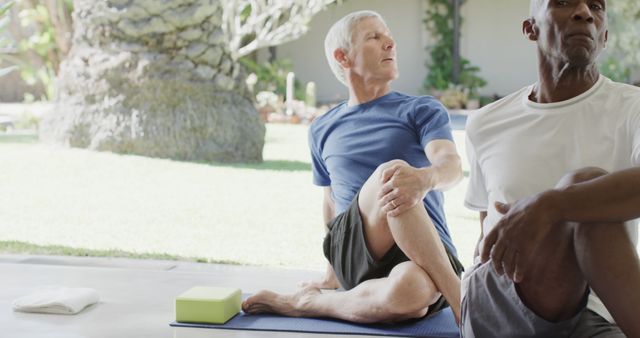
<point x="404" y="18"/>
<point x="491" y="39"/>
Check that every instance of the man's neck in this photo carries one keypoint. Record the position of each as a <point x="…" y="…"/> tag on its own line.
<point x="361" y="92"/>
<point x="560" y="81"/>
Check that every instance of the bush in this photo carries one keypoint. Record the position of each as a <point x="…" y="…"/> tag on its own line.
<point x="4" y="21"/>
<point x="272" y="77"/>
<point x="439" y="22"/>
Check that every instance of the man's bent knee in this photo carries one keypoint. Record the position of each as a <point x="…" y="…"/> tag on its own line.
<point x="368" y="201"/>
<point x="411" y="291"/>
<point x="581" y="175"/>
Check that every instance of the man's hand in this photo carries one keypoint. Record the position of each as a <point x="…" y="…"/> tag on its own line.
<point x="512" y="242"/>
<point x="403" y="186"/>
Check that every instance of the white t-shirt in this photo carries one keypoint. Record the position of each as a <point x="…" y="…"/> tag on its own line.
<point x="517" y="148"/>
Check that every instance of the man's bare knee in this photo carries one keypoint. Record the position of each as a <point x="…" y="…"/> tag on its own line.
<point x="368" y="200"/>
<point x="581" y="175"/>
<point x="411" y="291"/>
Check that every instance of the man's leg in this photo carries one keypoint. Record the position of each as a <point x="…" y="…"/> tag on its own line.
<point x="414" y="233"/>
<point x="576" y="254"/>
<point x="609" y="261"/>
<point x="430" y="274"/>
<point x="405" y="294"/>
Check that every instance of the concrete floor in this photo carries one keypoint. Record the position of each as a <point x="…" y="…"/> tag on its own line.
<point x="136" y="296"/>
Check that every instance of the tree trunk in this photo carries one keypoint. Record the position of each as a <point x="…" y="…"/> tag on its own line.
<point x="154" y="78"/>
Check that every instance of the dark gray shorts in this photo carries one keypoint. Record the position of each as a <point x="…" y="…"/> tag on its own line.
<point x="593" y="325"/>
<point x="346" y="249"/>
<point x="491" y="307"/>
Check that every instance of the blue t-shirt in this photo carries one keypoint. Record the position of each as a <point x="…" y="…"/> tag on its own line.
<point x="348" y="144"/>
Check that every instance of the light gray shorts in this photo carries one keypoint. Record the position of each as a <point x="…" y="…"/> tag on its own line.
<point x="492" y="308"/>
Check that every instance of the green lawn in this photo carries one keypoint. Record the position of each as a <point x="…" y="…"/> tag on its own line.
<point x="70" y="201"/>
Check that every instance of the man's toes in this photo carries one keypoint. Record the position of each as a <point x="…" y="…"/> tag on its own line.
<point x="248" y="309"/>
<point x="259" y="308"/>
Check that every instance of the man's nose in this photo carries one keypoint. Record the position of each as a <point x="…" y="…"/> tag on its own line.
<point x="583" y="12"/>
<point x="389" y="44"/>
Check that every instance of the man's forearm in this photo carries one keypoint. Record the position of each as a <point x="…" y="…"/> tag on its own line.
<point x="445" y="173"/>
<point x="613" y="197"/>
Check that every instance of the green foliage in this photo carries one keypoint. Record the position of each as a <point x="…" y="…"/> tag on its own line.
<point x="622" y="55"/>
<point x="439" y="22"/>
<point x="42" y="43"/>
<point x="5" y="9"/>
<point x="39" y="54"/>
<point x="612" y="68"/>
<point x="27" y="121"/>
<point x="277" y="165"/>
<point x="4" y="21"/>
<point x="485" y="100"/>
<point x="469" y="78"/>
<point x="246" y="11"/>
<point x="18" y="138"/>
<point x="272" y="76"/>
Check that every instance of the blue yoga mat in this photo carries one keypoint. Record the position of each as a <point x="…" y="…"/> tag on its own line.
<point x="439" y="325"/>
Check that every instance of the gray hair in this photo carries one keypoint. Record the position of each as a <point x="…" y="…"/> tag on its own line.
<point x="340" y="36"/>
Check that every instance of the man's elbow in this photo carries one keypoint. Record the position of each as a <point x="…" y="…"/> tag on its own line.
<point x="456" y="168"/>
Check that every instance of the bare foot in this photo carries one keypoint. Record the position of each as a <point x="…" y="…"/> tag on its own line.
<point x="287" y="305"/>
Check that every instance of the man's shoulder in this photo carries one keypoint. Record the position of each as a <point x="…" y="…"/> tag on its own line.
<point x="623" y="90"/>
<point x="417" y="99"/>
<point x="410" y="105"/>
<point x="324" y="121"/>
<point x="504" y="105"/>
<point x="496" y="111"/>
<point x="328" y="115"/>
<point x="516" y="98"/>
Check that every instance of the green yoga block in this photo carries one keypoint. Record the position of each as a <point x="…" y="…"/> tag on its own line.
<point x="211" y="305"/>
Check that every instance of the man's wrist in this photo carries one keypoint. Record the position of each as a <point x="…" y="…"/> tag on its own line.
<point x="429" y="177"/>
<point x="552" y="201"/>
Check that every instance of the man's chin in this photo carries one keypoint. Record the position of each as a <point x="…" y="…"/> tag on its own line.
<point x="580" y="56"/>
<point x="387" y="76"/>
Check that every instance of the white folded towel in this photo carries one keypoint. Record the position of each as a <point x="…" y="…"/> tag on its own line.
<point x="56" y="299"/>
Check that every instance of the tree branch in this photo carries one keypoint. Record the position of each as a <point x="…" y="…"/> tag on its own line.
<point x="269" y="22"/>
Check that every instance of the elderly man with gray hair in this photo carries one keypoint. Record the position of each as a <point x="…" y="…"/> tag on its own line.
<point x="383" y="158"/>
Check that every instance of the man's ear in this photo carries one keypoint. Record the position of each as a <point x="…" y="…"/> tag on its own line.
<point x="342" y="58"/>
<point x="530" y="29"/>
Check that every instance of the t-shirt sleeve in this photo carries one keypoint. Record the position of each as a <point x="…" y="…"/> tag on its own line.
<point x="432" y="121"/>
<point x="477" y="196"/>
<point x="318" y="168"/>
